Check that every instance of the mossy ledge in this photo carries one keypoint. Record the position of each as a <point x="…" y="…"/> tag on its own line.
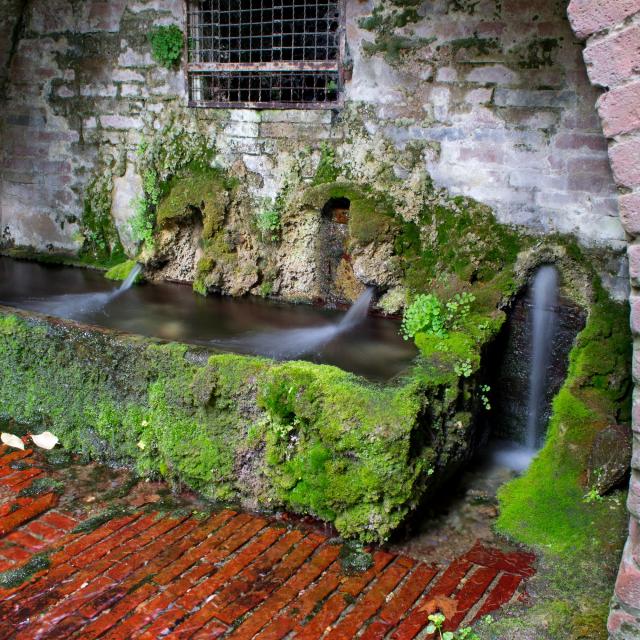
<point x="310" y="438"/>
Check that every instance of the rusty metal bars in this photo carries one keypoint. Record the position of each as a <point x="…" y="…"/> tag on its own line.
<point x="284" y="53"/>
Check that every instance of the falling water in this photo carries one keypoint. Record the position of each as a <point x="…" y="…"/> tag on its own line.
<point x="291" y="343"/>
<point x="79" y="304"/>
<point x="542" y="305"/>
<point x="545" y="294"/>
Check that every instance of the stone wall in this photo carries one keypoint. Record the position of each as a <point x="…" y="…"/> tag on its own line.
<point x="490" y="98"/>
<point x="612" y="55"/>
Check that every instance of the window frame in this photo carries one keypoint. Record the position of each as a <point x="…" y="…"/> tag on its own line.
<point x="290" y="66"/>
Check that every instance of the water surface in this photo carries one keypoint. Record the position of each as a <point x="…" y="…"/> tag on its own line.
<point x="372" y="348"/>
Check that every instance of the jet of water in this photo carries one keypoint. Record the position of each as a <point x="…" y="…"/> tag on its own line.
<point x="291" y="343"/>
<point x="76" y="305"/>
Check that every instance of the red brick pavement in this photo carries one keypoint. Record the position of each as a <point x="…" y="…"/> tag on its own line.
<point x="231" y="575"/>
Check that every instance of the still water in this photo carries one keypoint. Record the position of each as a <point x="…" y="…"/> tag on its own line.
<point x="371" y="347"/>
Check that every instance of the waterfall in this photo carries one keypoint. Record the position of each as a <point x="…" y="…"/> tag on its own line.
<point x="291" y="343"/>
<point x="544" y="300"/>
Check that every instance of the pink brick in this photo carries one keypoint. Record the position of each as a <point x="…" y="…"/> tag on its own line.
<point x="629" y="204"/>
<point x="619" y="110"/>
<point x="591" y="16"/>
<point x="627" y="588"/>
<point x="625" y="162"/>
<point x="633" y="251"/>
<point x="634" y="302"/>
<point x="615" y="59"/>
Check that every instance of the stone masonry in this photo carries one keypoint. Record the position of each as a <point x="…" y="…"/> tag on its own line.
<point x="494" y="97"/>
<point x="612" y="54"/>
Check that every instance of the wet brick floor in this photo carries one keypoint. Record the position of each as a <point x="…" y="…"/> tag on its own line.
<point x="152" y="574"/>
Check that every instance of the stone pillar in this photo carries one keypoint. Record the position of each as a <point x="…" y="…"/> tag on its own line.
<point x="611" y="29"/>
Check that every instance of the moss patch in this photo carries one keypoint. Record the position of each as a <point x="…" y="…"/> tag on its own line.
<point x="310" y="438"/>
<point x="196" y="192"/>
<point x="15" y="577"/>
<point x="122" y="270"/>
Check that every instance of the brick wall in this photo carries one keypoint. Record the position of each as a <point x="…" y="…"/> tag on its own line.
<point x="494" y="94"/>
<point x="612" y="55"/>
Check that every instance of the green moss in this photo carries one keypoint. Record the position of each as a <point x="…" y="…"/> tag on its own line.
<point x="193" y="192"/>
<point x="393" y="46"/>
<point x="94" y="522"/>
<point x="40" y="486"/>
<point x="306" y="437"/>
<point x="122" y="270"/>
<point x="101" y="240"/>
<point x="481" y="46"/>
<point x="13" y="578"/>
<point x="327" y="169"/>
<point x="536" y="53"/>
<point x="167" y="43"/>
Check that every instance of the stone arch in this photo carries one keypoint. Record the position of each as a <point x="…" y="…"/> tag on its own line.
<point x="612" y="55"/>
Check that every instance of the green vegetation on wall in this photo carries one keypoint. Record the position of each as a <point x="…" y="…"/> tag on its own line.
<point x="166" y="45"/>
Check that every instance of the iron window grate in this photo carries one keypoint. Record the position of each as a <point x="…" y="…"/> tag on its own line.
<point x="261" y="53"/>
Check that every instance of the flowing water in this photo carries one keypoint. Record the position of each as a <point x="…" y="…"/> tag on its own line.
<point x="291" y="343"/>
<point x="356" y="342"/>
<point x="541" y="325"/>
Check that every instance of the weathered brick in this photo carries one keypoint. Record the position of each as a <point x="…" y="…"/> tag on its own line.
<point x="625" y="162"/>
<point x="629" y="204"/>
<point x="619" y="110"/>
<point x="615" y="59"/>
<point x="590" y="16"/>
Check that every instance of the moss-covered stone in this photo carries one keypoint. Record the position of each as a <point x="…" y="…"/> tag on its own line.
<point x="310" y="438"/>
<point x="196" y="192"/>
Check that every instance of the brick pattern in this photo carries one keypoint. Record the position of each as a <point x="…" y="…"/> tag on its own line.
<point x="232" y="575"/>
<point x="612" y="55"/>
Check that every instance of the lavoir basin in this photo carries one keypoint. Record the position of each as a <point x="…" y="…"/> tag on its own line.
<point x="363" y="344"/>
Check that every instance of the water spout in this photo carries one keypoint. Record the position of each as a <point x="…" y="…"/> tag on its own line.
<point x="544" y="301"/>
<point x="80" y="304"/>
<point x="291" y="343"/>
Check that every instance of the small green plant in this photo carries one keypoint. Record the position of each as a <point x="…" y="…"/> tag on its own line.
<point x="424" y="314"/>
<point x="592" y="496"/>
<point x="142" y="222"/>
<point x="436" y="622"/>
<point x="166" y="45"/>
<point x="458" y="308"/>
<point x="427" y="314"/>
<point x="463" y="368"/>
<point x="484" y="398"/>
<point x="268" y="222"/>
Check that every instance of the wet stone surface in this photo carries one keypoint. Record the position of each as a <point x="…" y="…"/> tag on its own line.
<point x="91" y="552"/>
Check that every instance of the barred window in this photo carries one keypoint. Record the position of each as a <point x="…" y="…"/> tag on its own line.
<point x="262" y="53"/>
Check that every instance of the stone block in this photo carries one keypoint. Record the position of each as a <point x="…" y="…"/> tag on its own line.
<point x="242" y="129"/>
<point x="244" y="115"/>
<point x="580" y="141"/>
<point x="629" y="204"/>
<point x="101" y="16"/>
<point x="633" y="253"/>
<point x="302" y="116"/>
<point x="625" y="162"/>
<point x="478" y="96"/>
<point x="532" y="98"/>
<point x="619" y="110"/>
<point x="634" y="302"/>
<point x="615" y="59"/>
<point x="493" y="74"/>
<point x="120" y="122"/>
<point x="127" y="75"/>
<point x="591" y="16"/>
